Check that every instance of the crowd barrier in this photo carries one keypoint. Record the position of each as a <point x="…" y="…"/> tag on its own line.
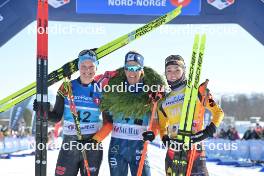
<point x="238" y="150"/>
<point x="11" y="144"/>
<point x="238" y="153"/>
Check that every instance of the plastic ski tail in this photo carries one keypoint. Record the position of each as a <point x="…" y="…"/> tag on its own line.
<point x="72" y="67"/>
<point x="42" y="89"/>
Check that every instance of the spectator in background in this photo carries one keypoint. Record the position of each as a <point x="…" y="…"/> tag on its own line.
<point x="229" y="132"/>
<point x="247" y="134"/>
<point x="258" y="129"/>
<point x="1" y="136"/>
<point x="251" y="134"/>
<point x="5" y="131"/>
<point x="233" y="134"/>
<point x="222" y="134"/>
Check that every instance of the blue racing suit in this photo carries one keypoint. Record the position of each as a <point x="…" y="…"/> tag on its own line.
<point x="126" y="146"/>
<point x="86" y="99"/>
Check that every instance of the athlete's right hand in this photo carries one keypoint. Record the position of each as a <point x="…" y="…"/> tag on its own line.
<point x="166" y="141"/>
<point x="36" y="107"/>
<point x="87" y="141"/>
<point x="154" y="97"/>
<point x="148" y="136"/>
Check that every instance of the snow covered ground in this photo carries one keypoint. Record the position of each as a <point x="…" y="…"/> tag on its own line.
<point x="24" y="166"/>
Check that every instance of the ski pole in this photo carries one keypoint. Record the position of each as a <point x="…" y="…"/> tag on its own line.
<point x="68" y="86"/>
<point x="158" y="96"/>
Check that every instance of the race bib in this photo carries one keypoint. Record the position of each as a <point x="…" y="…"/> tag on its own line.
<point x="127" y="131"/>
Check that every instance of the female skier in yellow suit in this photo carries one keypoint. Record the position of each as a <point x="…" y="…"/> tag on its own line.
<point x="169" y="114"/>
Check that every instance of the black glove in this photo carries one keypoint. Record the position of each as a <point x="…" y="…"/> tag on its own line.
<point x="36" y="107"/>
<point x="148" y="136"/>
<point x="154" y="97"/>
<point x="166" y="141"/>
<point x="92" y="141"/>
<point x="87" y="141"/>
<point x="204" y="134"/>
<point x="175" y="144"/>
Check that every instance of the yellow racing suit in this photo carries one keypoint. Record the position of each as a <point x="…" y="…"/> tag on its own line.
<point x="169" y="113"/>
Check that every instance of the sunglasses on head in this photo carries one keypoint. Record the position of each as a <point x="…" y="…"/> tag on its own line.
<point x="133" y="68"/>
<point x="91" y="57"/>
<point x="177" y="59"/>
<point x="87" y="52"/>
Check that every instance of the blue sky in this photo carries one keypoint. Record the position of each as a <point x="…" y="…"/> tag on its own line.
<point x="233" y="59"/>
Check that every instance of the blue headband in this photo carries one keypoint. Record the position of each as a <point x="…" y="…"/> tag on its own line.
<point x="133" y="56"/>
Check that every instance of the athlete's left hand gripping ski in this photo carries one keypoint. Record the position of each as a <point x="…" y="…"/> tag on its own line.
<point x="191" y="93"/>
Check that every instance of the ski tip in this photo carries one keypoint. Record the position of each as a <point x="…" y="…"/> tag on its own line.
<point x="196" y="37"/>
<point x="179" y="7"/>
<point x="174" y="13"/>
<point x="203" y="38"/>
<point x="196" y="41"/>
